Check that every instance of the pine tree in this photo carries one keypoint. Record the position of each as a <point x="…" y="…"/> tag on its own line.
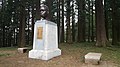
<point x="101" y="39"/>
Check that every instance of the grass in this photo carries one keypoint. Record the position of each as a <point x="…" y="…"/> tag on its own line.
<point x="78" y="51"/>
<point x="6" y="54"/>
<point x="8" y="48"/>
<point x="108" y="53"/>
<point x="5" y="51"/>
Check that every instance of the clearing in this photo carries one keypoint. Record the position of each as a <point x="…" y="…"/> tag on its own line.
<point x="72" y="56"/>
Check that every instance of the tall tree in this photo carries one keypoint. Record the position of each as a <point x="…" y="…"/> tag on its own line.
<point x="106" y="17"/>
<point x="3" y="21"/>
<point x="38" y="9"/>
<point x="0" y="28"/>
<point x="68" y="29"/>
<point x="81" y="20"/>
<point x="115" y="22"/>
<point x="58" y="18"/>
<point x="49" y="4"/>
<point x="62" y="31"/>
<point x="89" y="22"/>
<point x="73" y="21"/>
<point x="92" y="23"/>
<point x="101" y="39"/>
<point x="33" y="18"/>
<point x="22" y="24"/>
<point x="2" y="24"/>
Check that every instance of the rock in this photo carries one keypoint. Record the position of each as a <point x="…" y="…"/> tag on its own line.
<point x="22" y="50"/>
<point x="92" y="58"/>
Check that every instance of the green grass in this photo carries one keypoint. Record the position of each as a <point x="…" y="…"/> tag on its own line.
<point x="8" y="48"/>
<point x="4" y="54"/>
<point x="78" y="50"/>
<point x="108" y="53"/>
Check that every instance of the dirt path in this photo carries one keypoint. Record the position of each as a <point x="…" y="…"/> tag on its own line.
<point x="65" y="60"/>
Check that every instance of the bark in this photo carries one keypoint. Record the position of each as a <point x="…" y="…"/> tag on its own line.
<point x="69" y="38"/>
<point x="119" y="33"/>
<point x="22" y="25"/>
<point x="58" y="20"/>
<point x="106" y="19"/>
<point x="73" y="22"/>
<point x="62" y="32"/>
<point x="92" y="25"/>
<point x="81" y="21"/>
<point x="32" y="23"/>
<point x="38" y="9"/>
<point x="3" y="34"/>
<point x="3" y="26"/>
<point x="78" y="39"/>
<point x="89" y="26"/>
<point x="49" y="4"/>
<point x="101" y="39"/>
<point x="114" y="24"/>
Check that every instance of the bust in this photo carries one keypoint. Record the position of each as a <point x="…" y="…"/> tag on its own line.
<point x="44" y="11"/>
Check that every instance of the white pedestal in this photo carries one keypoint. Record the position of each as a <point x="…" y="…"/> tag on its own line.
<point x="44" y="55"/>
<point x="45" y="45"/>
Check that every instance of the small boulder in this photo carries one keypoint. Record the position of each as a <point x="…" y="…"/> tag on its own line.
<point x="22" y="50"/>
<point x="93" y="58"/>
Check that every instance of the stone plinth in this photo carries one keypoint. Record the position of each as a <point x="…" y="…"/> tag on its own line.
<point x="45" y="43"/>
<point x="22" y="50"/>
<point x="92" y="58"/>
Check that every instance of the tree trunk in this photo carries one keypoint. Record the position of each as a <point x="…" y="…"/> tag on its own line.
<point x="73" y="22"/>
<point x="106" y="19"/>
<point x="22" y="25"/>
<point x="119" y="33"/>
<point x="38" y="9"/>
<point x="81" y="21"/>
<point x="33" y="22"/>
<point x="62" y="32"/>
<point x="69" y="38"/>
<point x="78" y="38"/>
<point x="3" y="38"/>
<point x="49" y="4"/>
<point x="92" y="24"/>
<point x="89" y="23"/>
<point x="3" y="25"/>
<point x="115" y="23"/>
<point x="58" y="19"/>
<point x="101" y="39"/>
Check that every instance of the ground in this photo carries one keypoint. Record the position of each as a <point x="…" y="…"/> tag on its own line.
<point x="72" y="56"/>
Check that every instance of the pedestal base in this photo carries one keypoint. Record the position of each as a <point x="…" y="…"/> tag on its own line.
<point x="44" y="54"/>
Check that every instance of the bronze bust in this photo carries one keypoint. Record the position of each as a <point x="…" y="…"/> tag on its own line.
<point x="44" y="11"/>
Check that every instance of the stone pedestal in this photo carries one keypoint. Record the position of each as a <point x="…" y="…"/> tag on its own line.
<point x="45" y="44"/>
<point x="22" y="50"/>
<point x="92" y="58"/>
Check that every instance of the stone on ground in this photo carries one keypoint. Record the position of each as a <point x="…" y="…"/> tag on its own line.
<point x="22" y="50"/>
<point x="93" y="58"/>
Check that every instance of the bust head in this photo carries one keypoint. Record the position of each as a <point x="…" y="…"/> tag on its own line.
<point x="44" y="11"/>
